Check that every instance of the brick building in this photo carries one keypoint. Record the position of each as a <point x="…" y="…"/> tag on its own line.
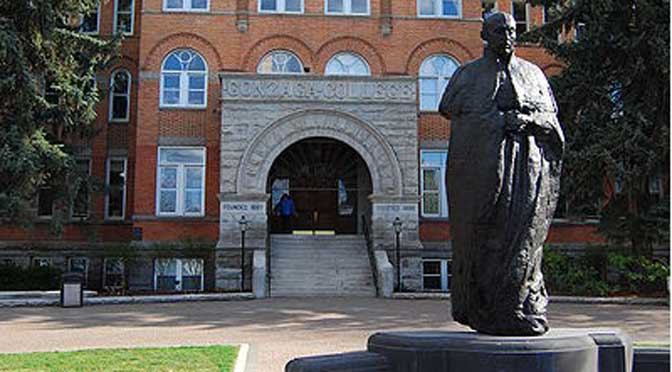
<point x="218" y="107"/>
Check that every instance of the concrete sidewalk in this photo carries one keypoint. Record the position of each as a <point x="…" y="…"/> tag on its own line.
<point x="278" y="329"/>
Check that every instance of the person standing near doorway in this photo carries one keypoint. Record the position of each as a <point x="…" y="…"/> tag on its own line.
<point x="287" y="210"/>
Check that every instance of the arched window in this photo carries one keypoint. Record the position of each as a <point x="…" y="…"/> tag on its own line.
<point x="120" y="95"/>
<point x="280" y="62"/>
<point x="435" y="72"/>
<point x="184" y="77"/>
<point x="347" y="63"/>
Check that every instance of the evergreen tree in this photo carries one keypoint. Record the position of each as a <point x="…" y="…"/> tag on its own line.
<point x="47" y="97"/>
<point x="613" y="98"/>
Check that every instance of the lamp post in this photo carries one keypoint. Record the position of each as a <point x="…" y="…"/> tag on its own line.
<point x="243" y="227"/>
<point x="397" y="230"/>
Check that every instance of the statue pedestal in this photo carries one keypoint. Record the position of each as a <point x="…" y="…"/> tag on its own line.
<point x="560" y="350"/>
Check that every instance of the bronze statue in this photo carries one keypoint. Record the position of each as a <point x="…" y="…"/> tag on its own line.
<point x="503" y="181"/>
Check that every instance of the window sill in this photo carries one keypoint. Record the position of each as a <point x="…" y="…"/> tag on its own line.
<point x="439" y="17"/>
<point x="189" y="108"/>
<point x="189" y="11"/>
<point x="348" y="14"/>
<point x="278" y="12"/>
<point x="434" y="219"/>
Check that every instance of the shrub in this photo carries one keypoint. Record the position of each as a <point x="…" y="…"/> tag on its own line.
<point x="16" y="278"/>
<point x="601" y="271"/>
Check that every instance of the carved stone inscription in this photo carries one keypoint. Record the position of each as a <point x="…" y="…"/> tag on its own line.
<point x="297" y="89"/>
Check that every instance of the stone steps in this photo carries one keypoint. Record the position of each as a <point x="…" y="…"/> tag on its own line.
<point x="310" y="266"/>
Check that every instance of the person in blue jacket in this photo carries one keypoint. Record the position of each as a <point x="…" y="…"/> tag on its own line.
<point x="287" y="210"/>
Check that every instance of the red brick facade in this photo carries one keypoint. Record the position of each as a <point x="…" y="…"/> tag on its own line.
<point x="233" y="37"/>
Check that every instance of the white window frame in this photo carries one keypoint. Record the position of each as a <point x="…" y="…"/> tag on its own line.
<point x="107" y="184"/>
<point x="270" y="55"/>
<point x="116" y="13"/>
<point x="127" y="95"/>
<point x="445" y="278"/>
<point x="184" y="83"/>
<point x="97" y="31"/>
<point x="347" y="9"/>
<point x="186" y="8"/>
<point x="178" y="271"/>
<point x="441" y="79"/>
<point x="280" y="4"/>
<point x="123" y="269"/>
<point x="180" y="182"/>
<point x="439" y="5"/>
<point x="357" y="55"/>
<point x="443" y="202"/>
<point x="527" y="14"/>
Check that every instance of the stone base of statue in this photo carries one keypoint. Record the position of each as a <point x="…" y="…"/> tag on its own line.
<point x="560" y="350"/>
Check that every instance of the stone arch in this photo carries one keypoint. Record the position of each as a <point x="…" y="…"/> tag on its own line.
<point x="350" y="44"/>
<point x="183" y="40"/>
<point x="265" y="46"/>
<point x="378" y="155"/>
<point x="436" y="46"/>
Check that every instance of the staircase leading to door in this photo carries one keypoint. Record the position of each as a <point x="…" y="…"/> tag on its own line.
<point x="314" y="265"/>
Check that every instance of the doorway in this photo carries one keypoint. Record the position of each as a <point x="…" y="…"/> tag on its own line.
<point x="328" y="183"/>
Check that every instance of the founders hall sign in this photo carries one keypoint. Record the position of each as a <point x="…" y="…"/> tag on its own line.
<point x="317" y="88"/>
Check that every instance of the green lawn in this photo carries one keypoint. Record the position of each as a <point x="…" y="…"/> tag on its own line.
<point x="205" y="358"/>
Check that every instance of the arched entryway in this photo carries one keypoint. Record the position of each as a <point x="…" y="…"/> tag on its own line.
<point x="329" y="184"/>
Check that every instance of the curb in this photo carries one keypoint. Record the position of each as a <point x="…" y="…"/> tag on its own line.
<point x="121" y="300"/>
<point x="241" y="360"/>
<point x="553" y="299"/>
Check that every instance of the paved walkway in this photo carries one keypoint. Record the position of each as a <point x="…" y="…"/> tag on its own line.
<point x="277" y="329"/>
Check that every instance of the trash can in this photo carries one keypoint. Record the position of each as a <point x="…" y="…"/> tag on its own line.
<point x="72" y="290"/>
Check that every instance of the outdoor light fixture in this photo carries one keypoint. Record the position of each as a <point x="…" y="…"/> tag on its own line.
<point x="397" y="231"/>
<point x="242" y="223"/>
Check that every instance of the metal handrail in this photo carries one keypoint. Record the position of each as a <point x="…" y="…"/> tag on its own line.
<point x="369" y="250"/>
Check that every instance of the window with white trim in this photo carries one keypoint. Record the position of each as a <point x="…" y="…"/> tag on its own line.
<point x="123" y="16"/>
<point x="184" y="76"/>
<point x="436" y="274"/>
<point x="434" y="75"/>
<point x="181" y="181"/>
<point x="186" y="5"/>
<point x="520" y="13"/>
<point x="280" y="62"/>
<point x="113" y="273"/>
<point x="80" y="205"/>
<point x="115" y="197"/>
<point x="347" y="63"/>
<point x="281" y="6"/>
<point x="120" y="96"/>
<point x="434" y="201"/>
<point x="347" y="7"/>
<point x="90" y="22"/>
<point x="178" y="274"/>
<point x="440" y="8"/>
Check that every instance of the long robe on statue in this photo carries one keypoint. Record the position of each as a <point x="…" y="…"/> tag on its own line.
<point x="502" y="192"/>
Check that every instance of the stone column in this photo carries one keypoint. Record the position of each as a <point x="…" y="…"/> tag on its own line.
<point x="227" y="253"/>
<point x="385" y="210"/>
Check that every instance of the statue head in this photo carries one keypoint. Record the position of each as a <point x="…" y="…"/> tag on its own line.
<point x="499" y="32"/>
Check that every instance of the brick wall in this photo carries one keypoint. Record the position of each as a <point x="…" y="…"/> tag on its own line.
<point x="312" y="36"/>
